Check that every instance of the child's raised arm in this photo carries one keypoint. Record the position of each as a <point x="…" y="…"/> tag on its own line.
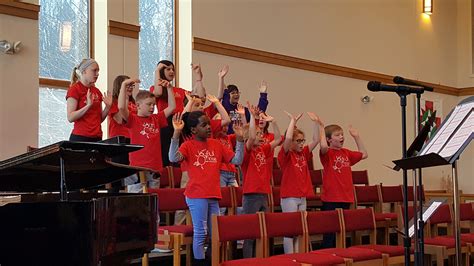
<point x="290" y="130"/>
<point x="276" y="130"/>
<point x="318" y="124"/>
<point x="225" y="119"/>
<point x="360" y="145"/>
<point x="171" y="100"/>
<point x="239" y="146"/>
<point x="221" y="74"/>
<point x="254" y="112"/>
<point x="122" y="99"/>
<point x="178" y="125"/>
<point x="158" y="91"/>
<point x="198" y="88"/>
<point x="263" y="100"/>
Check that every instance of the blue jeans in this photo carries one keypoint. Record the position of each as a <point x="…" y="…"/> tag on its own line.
<point x="290" y="245"/>
<point x="201" y="213"/>
<point x="228" y="179"/>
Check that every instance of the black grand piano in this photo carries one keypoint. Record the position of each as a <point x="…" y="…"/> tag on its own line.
<point x="49" y="221"/>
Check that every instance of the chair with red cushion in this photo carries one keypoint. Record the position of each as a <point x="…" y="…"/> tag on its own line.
<point x="311" y="258"/>
<point x="275" y="201"/>
<point x="319" y="223"/>
<point x="441" y="247"/>
<point x="237" y="194"/>
<point x="277" y="175"/>
<point x="360" y="177"/>
<point x="226" y="229"/>
<point x="283" y="224"/>
<point x="165" y="178"/>
<point x="364" y="220"/>
<point x="317" y="181"/>
<point x="227" y="200"/>
<point x="411" y="194"/>
<point x="174" y="236"/>
<point x="176" y="175"/>
<point x="273" y="261"/>
<point x="369" y="196"/>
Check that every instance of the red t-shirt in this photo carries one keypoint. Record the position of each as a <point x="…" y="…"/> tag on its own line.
<point x="89" y="124"/>
<point x="146" y="131"/>
<point x="221" y="135"/>
<point x="116" y="129"/>
<point x="203" y="162"/>
<point x="296" y="181"/>
<point x="179" y="96"/>
<point x="257" y="174"/>
<point x="337" y="175"/>
<point x="210" y="111"/>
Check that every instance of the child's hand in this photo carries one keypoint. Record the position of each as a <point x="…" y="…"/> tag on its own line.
<point x="223" y="71"/>
<point x="315" y="118"/>
<point x="130" y="82"/>
<point x="293" y="117"/>
<point x="267" y="118"/>
<point x="88" y="98"/>
<point x="212" y="98"/>
<point x="240" y="109"/>
<point x="178" y="123"/>
<point x="107" y="99"/>
<point x="254" y="111"/>
<point x="197" y="70"/>
<point x="188" y="95"/>
<point x="238" y="130"/>
<point x="354" y="132"/>
<point x="164" y="83"/>
<point x="263" y="87"/>
<point x="158" y="69"/>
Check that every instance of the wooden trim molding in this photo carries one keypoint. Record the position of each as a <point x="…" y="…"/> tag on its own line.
<point x="20" y="9"/>
<point x="214" y="47"/>
<point x="124" y="29"/>
<point x="57" y="83"/>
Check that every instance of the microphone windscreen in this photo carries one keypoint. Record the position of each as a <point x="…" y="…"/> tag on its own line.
<point x="398" y="80"/>
<point x="373" y="85"/>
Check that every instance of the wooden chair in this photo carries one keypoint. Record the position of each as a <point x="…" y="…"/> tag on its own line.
<point x="277" y="225"/>
<point x="277" y="176"/>
<point x="360" y="177"/>
<point x="364" y="220"/>
<point x="225" y="229"/>
<point x="275" y="200"/>
<point x="175" y="176"/>
<point x="174" y="236"/>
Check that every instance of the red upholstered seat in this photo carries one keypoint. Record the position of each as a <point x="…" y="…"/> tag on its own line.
<point x="283" y="224"/>
<point x="385" y="216"/>
<point x="358" y="219"/>
<point x="276" y="196"/>
<point x="391" y="251"/>
<point x="446" y="241"/>
<point x="226" y="201"/>
<point x="314" y="197"/>
<point x="356" y="254"/>
<point x="177" y="175"/>
<point x="276" y="177"/>
<point x="316" y="177"/>
<point x="466" y="212"/>
<point x="187" y="230"/>
<point x="360" y="177"/>
<point x="391" y="193"/>
<point x="314" y="258"/>
<point x="323" y="222"/>
<point x="238" y="196"/>
<point x="469" y="238"/>
<point x="230" y="227"/>
<point x="366" y="194"/>
<point x="170" y="199"/>
<point x="261" y="261"/>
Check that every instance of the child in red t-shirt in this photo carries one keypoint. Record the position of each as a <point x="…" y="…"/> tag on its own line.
<point x="203" y="157"/>
<point x="116" y="122"/>
<point x="338" y="190"/>
<point x="84" y="103"/>
<point x="257" y="169"/>
<point x="296" y="181"/>
<point x="144" y="128"/>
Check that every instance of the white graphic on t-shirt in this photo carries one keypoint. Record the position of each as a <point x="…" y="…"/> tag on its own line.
<point x="300" y="161"/>
<point x="260" y="160"/>
<point x="149" y="128"/>
<point x="204" y="156"/>
<point x="340" y="162"/>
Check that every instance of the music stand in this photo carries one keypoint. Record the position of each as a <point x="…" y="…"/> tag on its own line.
<point x="445" y="147"/>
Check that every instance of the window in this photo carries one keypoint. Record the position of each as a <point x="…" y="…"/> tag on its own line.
<point x="63" y="43"/>
<point x="156" y="37"/>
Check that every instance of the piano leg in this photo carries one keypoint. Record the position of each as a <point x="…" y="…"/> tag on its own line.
<point x="145" y="259"/>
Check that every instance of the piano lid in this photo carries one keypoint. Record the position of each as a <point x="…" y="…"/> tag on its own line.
<point x="87" y="165"/>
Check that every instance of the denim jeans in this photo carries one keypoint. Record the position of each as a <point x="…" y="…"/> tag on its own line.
<point x="201" y="213"/>
<point x="153" y="180"/>
<point x="292" y="205"/>
<point x="329" y="240"/>
<point x="228" y="179"/>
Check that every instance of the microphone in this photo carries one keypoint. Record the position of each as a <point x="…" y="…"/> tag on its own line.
<point x="400" y="80"/>
<point x="378" y="86"/>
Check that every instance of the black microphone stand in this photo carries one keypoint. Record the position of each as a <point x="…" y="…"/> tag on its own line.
<point x="406" y="237"/>
<point x="418" y="196"/>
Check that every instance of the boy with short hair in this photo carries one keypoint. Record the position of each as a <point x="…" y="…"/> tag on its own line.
<point x="338" y="191"/>
<point x="144" y="128"/>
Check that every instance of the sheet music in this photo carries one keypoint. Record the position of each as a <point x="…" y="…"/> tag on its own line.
<point x="440" y="145"/>
<point x="426" y="215"/>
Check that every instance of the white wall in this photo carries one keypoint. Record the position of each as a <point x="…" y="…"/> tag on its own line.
<point x="389" y="36"/>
